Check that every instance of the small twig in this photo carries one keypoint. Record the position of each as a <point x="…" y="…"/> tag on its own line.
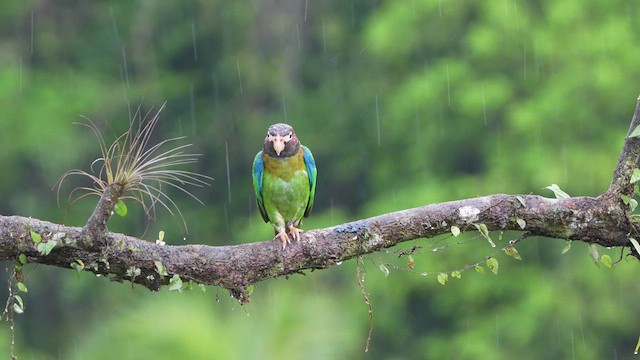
<point x="402" y="253"/>
<point x="9" y="314"/>
<point x="621" y="256"/>
<point x="360" y="274"/>
<point x="522" y="236"/>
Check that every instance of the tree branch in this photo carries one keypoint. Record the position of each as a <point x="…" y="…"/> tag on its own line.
<point x="94" y="232"/>
<point x="629" y="159"/>
<point x="602" y="220"/>
<point x="593" y="220"/>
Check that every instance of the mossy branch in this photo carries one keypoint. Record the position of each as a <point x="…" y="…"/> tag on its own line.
<point x="592" y="220"/>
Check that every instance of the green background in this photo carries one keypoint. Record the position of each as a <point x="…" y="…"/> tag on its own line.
<point x="403" y="103"/>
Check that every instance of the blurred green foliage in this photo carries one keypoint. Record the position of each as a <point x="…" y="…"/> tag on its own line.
<point x="402" y="103"/>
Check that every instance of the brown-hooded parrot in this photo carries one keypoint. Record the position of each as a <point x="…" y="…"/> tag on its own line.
<point x="284" y="179"/>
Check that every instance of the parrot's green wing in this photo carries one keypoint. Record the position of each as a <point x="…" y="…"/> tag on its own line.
<point x="258" y="173"/>
<point x="312" y="172"/>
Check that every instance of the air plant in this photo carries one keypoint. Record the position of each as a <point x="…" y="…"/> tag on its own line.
<point x="143" y="170"/>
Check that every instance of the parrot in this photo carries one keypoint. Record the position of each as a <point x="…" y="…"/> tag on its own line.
<point x="284" y="180"/>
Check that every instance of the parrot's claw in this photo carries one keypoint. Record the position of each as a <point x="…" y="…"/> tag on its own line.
<point x="284" y="237"/>
<point x="286" y="240"/>
<point x="295" y="232"/>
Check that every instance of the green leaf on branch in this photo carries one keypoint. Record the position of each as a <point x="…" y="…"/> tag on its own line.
<point x="625" y="199"/>
<point x="442" y="278"/>
<point x="595" y="254"/>
<point x="384" y="270"/>
<point x="35" y="237"/>
<point x="45" y="247"/>
<point x="566" y="247"/>
<point x="186" y="286"/>
<point x="635" y="244"/>
<point x="558" y="192"/>
<point x="511" y="251"/>
<point x="455" y="231"/>
<point x="161" y="269"/>
<point x="160" y="239"/>
<point x="635" y="132"/>
<point x="17" y="308"/>
<point x="175" y="284"/>
<point x="482" y="228"/>
<point x="492" y="264"/>
<point x="78" y="266"/>
<point x="22" y="260"/>
<point x="631" y="202"/>
<point x="606" y="261"/>
<point x="22" y="287"/>
<point x="456" y="274"/>
<point x="120" y="208"/>
<point x="635" y="176"/>
<point x="479" y="269"/>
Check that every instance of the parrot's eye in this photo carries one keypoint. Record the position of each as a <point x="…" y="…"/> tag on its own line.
<point x="288" y="137"/>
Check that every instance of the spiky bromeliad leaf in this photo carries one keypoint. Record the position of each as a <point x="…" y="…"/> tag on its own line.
<point x="144" y="170"/>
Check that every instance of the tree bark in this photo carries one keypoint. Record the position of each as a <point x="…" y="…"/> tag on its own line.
<point x="603" y="220"/>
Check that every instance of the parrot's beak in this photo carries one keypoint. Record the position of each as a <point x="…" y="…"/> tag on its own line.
<point x="278" y="144"/>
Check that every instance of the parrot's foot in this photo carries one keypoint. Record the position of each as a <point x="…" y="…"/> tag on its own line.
<point x="284" y="237"/>
<point x="295" y="232"/>
<point x="286" y="240"/>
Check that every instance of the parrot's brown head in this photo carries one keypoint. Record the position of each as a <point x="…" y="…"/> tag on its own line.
<point x="281" y="141"/>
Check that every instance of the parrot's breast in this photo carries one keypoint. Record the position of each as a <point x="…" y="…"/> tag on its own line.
<point x="284" y="168"/>
<point x="285" y="188"/>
